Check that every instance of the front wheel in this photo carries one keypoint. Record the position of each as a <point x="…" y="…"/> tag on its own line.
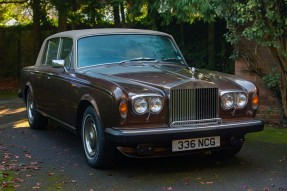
<point x="98" y="150"/>
<point x="36" y="120"/>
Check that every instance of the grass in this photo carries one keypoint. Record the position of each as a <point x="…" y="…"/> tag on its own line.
<point x="6" y="180"/>
<point x="269" y="135"/>
<point x="8" y="94"/>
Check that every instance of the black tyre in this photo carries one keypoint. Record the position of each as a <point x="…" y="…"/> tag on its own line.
<point x="98" y="151"/>
<point x="36" y="120"/>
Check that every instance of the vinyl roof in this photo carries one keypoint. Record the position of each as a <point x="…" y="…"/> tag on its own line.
<point x="103" y="31"/>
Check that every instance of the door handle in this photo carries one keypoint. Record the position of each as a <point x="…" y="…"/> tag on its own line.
<point x="49" y="76"/>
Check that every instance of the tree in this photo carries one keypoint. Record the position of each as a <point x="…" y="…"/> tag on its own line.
<point x="36" y="26"/>
<point x="14" y="12"/>
<point x="188" y="11"/>
<point x="264" y="22"/>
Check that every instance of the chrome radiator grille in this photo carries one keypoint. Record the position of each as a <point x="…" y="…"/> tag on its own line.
<point x="190" y="107"/>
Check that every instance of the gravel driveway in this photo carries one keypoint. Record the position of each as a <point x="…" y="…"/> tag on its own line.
<point x="53" y="159"/>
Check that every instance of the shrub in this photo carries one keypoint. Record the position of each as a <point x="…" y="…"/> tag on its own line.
<point x="272" y="80"/>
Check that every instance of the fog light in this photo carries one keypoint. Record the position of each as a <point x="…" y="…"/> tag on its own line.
<point x="145" y="149"/>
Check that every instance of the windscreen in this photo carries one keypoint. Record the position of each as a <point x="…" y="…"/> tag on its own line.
<point x="105" y="49"/>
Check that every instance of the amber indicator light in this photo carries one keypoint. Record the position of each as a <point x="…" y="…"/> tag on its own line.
<point x="123" y="109"/>
<point x="255" y="101"/>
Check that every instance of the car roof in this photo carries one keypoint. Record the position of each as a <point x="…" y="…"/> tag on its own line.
<point x="104" y="31"/>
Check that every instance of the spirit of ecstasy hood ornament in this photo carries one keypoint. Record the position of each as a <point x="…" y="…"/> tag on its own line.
<point x="192" y="72"/>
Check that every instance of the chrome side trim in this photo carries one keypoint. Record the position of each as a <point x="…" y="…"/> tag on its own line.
<point x="59" y="121"/>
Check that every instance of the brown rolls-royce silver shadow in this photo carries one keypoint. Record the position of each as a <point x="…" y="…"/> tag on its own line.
<point x="131" y="91"/>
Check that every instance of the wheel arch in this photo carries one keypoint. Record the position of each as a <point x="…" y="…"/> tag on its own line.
<point x="27" y="87"/>
<point x="85" y="102"/>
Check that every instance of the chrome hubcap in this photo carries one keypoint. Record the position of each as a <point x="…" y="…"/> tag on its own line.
<point x="90" y="135"/>
<point x="30" y="108"/>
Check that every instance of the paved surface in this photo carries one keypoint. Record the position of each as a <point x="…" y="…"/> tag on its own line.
<point x="11" y="111"/>
<point x="53" y="159"/>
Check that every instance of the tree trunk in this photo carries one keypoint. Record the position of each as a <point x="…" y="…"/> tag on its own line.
<point x="116" y="12"/>
<point x="211" y="47"/>
<point x="281" y="61"/>
<point x="36" y="26"/>
<point x="283" y="91"/>
<point x="123" y="14"/>
<point x="182" y="34"/>
<point x="92" y="19"/>
<point x="62" y="20"/>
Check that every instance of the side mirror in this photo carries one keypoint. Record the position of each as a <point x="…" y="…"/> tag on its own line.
<point x="58" y="63"/>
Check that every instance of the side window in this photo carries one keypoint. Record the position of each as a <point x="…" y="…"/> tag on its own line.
<point x="66" y="51"/>
<point x="51" y="51"/>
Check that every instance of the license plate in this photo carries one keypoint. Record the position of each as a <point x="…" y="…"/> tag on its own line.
<point x="197" y="143"/>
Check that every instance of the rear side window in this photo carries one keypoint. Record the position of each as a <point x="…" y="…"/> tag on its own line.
<point x="51" y="51"/>
<point x="58" y="48"/>
<point x="66" y="51"/>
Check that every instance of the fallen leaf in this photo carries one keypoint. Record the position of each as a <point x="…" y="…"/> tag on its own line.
<point x="28" y="156"/>
<point x="73" y="181"/>
<point x="18" y="180"/>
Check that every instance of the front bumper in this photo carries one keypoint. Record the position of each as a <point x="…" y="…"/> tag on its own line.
<point x="163" y="135"/>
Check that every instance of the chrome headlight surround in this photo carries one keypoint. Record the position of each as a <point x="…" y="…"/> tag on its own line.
<point x="233" y="99"/>
<point x="151" y="103"/>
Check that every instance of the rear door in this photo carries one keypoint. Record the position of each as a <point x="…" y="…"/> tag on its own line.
<point x="52" y="82"/>
<point x="43" y="74"/>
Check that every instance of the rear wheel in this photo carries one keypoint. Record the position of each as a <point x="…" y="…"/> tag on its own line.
<point x="36" y="120"/>
<point x="98" y="150"/>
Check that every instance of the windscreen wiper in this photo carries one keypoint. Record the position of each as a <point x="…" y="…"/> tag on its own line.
<point x="143" y="59"/>
<point x="147" y="59"/>
<point x="172" y="59"/>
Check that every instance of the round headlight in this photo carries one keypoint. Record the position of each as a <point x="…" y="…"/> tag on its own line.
<point x="227" y="101"/>
<point x="241" y="100"/>
<point x="140" y="106"/>
<point x="155" y="104"/>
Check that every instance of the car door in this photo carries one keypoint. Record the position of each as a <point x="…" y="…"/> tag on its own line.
<point x="61" y="83"/>
<point x="52" y="83"/>
<point x="43" y="73"/>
